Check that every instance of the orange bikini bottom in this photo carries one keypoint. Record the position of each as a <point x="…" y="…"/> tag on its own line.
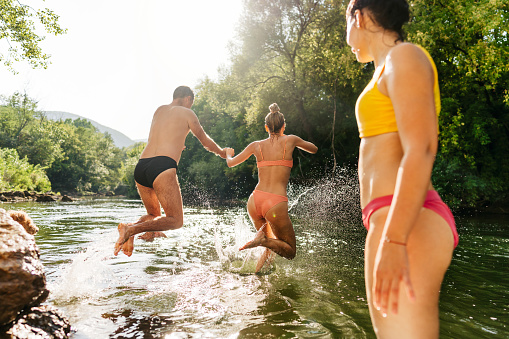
<point x="264" y="201"/>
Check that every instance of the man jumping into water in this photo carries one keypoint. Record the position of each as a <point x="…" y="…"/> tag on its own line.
<point x="156" y="171"/>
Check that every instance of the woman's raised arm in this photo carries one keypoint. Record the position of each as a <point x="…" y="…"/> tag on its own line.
<point x="241" y="157"/>
<point x="305" y="145"/>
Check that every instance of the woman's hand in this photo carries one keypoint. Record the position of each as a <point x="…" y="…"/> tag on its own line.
<point x="230" y="152"/>
<point x="391" y="268"/>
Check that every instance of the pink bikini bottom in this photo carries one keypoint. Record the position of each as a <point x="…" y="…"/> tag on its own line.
<point x="432" y="202"/>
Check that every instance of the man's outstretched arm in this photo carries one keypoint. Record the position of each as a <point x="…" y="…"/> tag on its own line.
<point x="208" y="143"/>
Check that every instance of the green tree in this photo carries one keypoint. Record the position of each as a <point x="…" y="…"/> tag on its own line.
<point x="294" y="53"/>
<point x="18" y="174"/>
<point x="25" y="129"/>
<point x="18" y="30"/>
<point x="18" y="112"/>
<point x="91" y="163"/>
<point x="274" y="37"/>
<point x="132" y="154"/>
<point x="206" y="174"/>
<point x="472" y="57"/>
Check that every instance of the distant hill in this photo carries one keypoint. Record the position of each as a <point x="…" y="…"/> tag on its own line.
<point x="120" y="139"/>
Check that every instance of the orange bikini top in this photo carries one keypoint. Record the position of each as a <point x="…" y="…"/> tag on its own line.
<point x="373" y="110"/>
<point x="282" y="162"/>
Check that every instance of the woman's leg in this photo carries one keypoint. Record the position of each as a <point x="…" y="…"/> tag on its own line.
<point x="281" y="226"/>
<point x="261" y="225"/>
<point x="430" y="245"/>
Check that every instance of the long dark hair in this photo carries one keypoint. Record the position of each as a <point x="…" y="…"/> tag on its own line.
<point x="389" y="14"/>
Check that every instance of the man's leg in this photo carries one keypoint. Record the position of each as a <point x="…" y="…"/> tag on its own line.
<point x="149" y="198"/>
<point x="167" y="192"/>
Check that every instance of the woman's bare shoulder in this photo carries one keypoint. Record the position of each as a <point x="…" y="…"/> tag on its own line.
<point x="406" y="55"/>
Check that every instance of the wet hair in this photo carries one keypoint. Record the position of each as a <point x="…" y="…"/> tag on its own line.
<point x="389" y="14"/>
<point x="183" y="92"/>
<point x="275" y="120"/>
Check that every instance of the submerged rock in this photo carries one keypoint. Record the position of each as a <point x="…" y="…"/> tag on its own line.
<point x="46" y="198"/>
<point x="22" y="279"/>
<point x="19" y="196"/>
<point x="40" y="322"/>
<point x="66" y="198"/>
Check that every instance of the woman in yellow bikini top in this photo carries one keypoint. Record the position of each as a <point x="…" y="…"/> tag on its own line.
<point x="268" y="205"/>
<point x="411" y="232"/>
<point x="374" y="111"/>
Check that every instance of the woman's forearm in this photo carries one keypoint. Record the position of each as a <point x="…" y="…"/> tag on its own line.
<point x="412" y="183"/>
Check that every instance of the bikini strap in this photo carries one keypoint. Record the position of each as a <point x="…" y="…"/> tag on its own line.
<point x="381" y="72"/>
<point x="260" y="146"/>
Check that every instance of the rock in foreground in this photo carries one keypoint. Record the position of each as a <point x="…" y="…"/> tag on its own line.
<point x="40" y="322"/>
<point x="22" y="279"/>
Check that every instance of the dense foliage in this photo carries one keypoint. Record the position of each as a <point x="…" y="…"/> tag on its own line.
<point x="472" y="56"/>
<point x="294" y="53"/>
<point x="73" y="154"/>
<point x="18" y="174"/>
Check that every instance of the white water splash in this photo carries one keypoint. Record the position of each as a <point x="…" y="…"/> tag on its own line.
<point x="242" y="262"/>
<point x="88" y="274"/>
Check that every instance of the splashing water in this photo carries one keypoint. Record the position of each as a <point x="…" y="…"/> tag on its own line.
<point x="241" y="262"/>
<point x="330" y="198"/>
<point x="88" y="274"/>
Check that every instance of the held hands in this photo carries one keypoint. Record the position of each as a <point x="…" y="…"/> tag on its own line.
<point x="391" y="269"/>
<point x="230" y="152"/>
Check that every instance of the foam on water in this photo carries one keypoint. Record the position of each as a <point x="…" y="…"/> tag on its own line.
<point x="233" y="260"/>
<point x="88" y="274"/>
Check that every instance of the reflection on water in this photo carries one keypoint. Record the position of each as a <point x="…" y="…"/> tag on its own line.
<point x="195" y="284"/>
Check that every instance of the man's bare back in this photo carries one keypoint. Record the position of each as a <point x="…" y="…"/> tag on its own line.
<point x="168" y="132"/>
<point x="156" y="172"/>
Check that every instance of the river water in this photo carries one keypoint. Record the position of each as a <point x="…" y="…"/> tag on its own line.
<point x="195" y="284"/>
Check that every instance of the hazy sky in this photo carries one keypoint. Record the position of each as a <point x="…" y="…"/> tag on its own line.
<point x="121" y="59"/>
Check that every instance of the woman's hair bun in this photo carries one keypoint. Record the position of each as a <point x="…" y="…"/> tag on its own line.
<point x="274" y="108"/>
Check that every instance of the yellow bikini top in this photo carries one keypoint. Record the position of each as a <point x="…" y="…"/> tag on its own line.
<point x="374" y="112"/>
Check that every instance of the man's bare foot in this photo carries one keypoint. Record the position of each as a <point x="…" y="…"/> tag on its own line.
<point x="266" y="258"/>
<point x="149" y="236"/>
<point x="257" y="241"/>
<point x="122" y="230"/>
<point x="128" y="247"/>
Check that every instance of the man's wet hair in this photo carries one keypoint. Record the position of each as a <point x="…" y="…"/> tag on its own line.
<point x="183" y="92"/>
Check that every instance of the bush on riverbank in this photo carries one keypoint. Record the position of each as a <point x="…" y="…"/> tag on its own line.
<point x="18" y="174"/>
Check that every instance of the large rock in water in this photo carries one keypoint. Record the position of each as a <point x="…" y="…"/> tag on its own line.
<point x="22" y="279"/>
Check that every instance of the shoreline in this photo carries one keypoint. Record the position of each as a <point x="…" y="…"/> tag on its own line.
<point x="26" y="196"/>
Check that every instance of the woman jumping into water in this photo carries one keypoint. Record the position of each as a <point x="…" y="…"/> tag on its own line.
<point x="268" y="205"/>
<point x="411" y="232"/>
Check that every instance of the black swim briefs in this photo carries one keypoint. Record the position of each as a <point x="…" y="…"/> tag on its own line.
<point x="148" y="169"/>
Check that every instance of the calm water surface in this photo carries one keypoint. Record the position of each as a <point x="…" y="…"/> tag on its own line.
<point x="195" y="284"/>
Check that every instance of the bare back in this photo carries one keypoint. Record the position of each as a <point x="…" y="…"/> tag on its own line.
<point x="170" y="126"/>
<point x="274" y="179"/>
